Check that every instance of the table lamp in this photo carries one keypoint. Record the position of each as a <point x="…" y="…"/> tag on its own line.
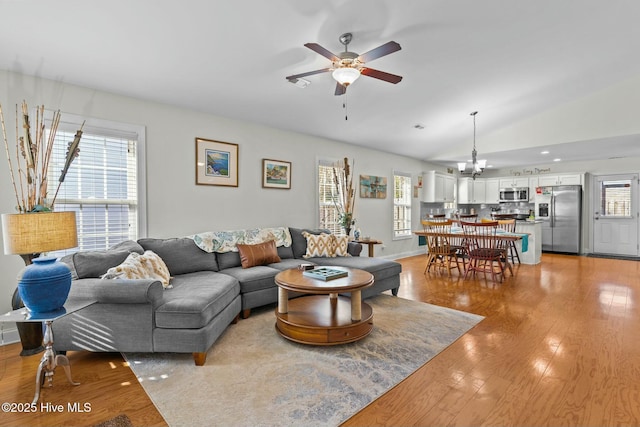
<point x="29" y="235"/>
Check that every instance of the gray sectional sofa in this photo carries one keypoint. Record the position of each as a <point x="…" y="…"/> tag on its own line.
<point x="209" y="292"/>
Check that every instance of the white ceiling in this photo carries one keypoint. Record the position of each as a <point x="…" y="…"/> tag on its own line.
<point x="507" y="59"/>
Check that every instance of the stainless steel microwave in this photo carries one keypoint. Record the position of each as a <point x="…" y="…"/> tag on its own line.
<point x="518" y="194"/>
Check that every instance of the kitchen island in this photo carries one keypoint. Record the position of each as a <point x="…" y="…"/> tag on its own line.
<point x="534" y="243"/>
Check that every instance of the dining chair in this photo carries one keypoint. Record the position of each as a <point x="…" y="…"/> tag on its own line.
<point x="441" y="254"/>
<point x="509" y="225"/>
<point x="468" y="217"/>
<point x="484" y="249"/>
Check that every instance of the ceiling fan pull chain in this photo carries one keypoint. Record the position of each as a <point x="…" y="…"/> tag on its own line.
<point x="344" y="105"/>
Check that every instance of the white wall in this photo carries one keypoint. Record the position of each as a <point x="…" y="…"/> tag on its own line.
<point x="178" y="207"/>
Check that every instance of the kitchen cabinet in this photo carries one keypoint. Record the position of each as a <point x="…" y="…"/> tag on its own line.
<point x="438" y="187"/>
<point x="492" y="190"/>
<point x="533" y="184"/>
<point x="514" y="182"/>
<point x="564" y="179"/>
<point x="471" y="191"/>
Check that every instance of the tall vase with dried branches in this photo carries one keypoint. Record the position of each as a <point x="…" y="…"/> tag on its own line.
<point x="345" y="194"/>
<point x="32" y="153"/>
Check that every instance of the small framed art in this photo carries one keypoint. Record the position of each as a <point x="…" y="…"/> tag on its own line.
<point x="216" y="163"/>
<point x="276" y="174"/>
<point x="373" y="187"/>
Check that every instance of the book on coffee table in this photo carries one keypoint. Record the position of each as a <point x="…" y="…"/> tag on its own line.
<point x="324" y="273"/>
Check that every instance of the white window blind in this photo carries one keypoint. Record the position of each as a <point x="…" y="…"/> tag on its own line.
<point x="102" y="185"/>
<point x="401" y="204"/>
<point x="328" y="214"/>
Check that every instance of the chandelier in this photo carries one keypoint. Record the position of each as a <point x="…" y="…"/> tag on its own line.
<point x="477" y="166"/>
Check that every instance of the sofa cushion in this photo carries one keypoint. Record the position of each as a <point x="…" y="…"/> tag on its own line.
<point x="380" y="268"/>
<point x="253" y="279"/>
<point x="146" y="266"/>
<point x="258" y="254"/>
<point x="96" y="263"/>
<point x="299" y="242"/>
<point x="285" y="252"/>
<point x="228" y="260"/>
<point x="286" y="264"/>
<point x="181" y="255"/>
<point x="195" y="299"/>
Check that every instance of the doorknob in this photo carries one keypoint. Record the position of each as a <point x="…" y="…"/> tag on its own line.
<point x="597" y="217"/>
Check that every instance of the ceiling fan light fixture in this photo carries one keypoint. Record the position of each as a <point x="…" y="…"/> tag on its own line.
<point x="346" y="75"/>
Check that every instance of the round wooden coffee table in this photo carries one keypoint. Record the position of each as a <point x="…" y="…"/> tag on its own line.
<point x="318" y="319"/>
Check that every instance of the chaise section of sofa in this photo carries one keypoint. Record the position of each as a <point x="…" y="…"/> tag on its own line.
<point x="140" y="315"/>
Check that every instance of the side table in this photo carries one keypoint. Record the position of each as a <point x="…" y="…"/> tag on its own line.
<point x="50" y="360"/>
<point x="369" y="242"/>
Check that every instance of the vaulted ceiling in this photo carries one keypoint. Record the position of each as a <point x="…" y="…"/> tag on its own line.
<point x="508" y="59"/>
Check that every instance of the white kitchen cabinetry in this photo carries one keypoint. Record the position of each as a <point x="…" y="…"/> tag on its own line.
<point x="533" y="184"/>
<point x="565" y="179"/>
<point x="471" y="191"/>
<point x="492" y="190"/>
<point x="514" y="182"/>
<point x="438" y="187"/>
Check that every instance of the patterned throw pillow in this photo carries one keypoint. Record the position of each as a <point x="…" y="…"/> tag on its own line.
<point x="319" y="245"/>
<point x="341" y="246"/>
<point x="259" y="254"/>
<point x="146" y="266"/>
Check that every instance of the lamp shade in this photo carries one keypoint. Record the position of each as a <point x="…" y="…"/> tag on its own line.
<point x="346" y="75"/>
<point x="30" y="233"/>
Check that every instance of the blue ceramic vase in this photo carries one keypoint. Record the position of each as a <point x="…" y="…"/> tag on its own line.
<point x="45" y="285"/>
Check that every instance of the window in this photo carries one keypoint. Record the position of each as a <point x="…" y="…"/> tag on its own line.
<point x="104" y="185"/>
<point x="401" y="204"/>
<point x="328" y="213"/>
<point x="615" y="197"/>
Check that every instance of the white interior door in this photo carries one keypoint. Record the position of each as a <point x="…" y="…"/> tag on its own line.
<point x="615" y="219"/>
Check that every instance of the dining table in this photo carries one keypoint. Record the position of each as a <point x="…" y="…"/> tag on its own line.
<point x="457" y="232"/>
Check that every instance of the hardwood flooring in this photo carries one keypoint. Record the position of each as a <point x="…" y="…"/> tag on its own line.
<point x="559" y="346"/>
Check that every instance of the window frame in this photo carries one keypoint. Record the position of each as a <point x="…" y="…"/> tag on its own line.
<point x="408" y="207"/>
<point x="73" y="122"/>
<point x="334" y="227"/>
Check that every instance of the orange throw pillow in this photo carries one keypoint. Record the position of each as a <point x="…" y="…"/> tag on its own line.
<point x="260" y="254"/>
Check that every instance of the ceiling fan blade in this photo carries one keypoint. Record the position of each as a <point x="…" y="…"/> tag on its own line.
<point x="380" y="51"/>
<point x="308" y="73"/>
<point x="322" y="51"/>
<point x="376" y="74"/>
<point x="340" y="90"/>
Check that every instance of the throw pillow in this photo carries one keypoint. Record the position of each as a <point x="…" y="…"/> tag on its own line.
<point x="342" y="246"/>
<point x="146" y="266"/>
<point x="319" y="245"/>
<point x="259" y="254"/>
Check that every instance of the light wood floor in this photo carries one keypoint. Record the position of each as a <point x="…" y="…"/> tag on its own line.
<point x="560" y="345"/>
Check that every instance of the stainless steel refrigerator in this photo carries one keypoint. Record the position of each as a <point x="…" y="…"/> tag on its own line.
<point x="560" y="210"/>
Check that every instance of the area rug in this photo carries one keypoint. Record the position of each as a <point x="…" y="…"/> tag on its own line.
<point x="120" y="421"/>
<point x="254" y="377"/>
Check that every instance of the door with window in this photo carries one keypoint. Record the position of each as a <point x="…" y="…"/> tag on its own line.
<point x="615" y="219"/>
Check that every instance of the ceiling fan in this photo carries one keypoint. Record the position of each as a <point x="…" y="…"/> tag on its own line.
<point x="347" y="66"/>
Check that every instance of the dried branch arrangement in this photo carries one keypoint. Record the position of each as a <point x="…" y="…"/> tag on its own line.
<point x="345" y="201"/>
<point x="33" y="151"/>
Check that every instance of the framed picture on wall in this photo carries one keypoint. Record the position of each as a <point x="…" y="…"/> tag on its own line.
<point x="216" y="163"/>
<point x="373" y="187"/>
<point x="276" y="174"/>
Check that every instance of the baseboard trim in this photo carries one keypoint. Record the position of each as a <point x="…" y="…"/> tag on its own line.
<point x="9" y="336"/>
